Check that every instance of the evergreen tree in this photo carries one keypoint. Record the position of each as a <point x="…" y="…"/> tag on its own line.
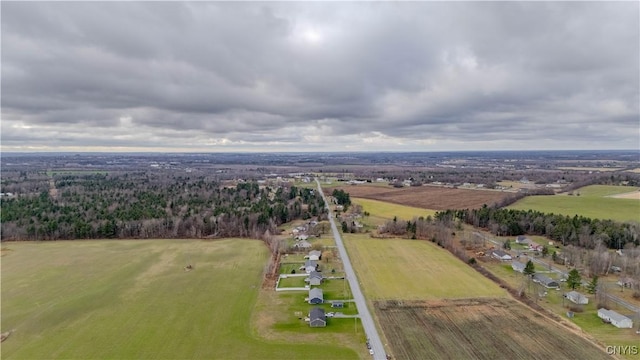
<point x="529" y="269"/>
<point x="545" y="251"/>
<point x="593" y="285"/>
<point x="574" y="280"/>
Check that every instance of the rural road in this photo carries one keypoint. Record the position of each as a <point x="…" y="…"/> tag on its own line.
<point x="613" y="298"/>
<point x="365" y="316"/>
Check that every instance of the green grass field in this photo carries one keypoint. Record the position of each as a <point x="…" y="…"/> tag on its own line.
<point x="414" y="269"/>
<point x="593" y="202"/>
<point x="388" y="211"/>
<point x="132" y="299"/>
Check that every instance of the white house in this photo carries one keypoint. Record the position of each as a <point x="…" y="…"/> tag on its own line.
<point x="576" y="298"/>
<point x="617" y="320"/>
<point x="518" y="266"/>
<point x="314" y="255"/>
<point x="500" y="255"/>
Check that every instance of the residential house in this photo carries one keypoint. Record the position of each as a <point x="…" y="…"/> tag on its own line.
<point x="315" y="255"/>
<point x="315" y="278"/>
<point x="617" y="320"/>
<point x="545" y="281"/>
<point x="310" y="266"/>
<point x="302" y="237"/>
<point x="317" y="317"/>
<point x="500" y="255"/>
<point x="576" y="298"/>
<point x="315" y="296"/>
<point x="521" y="239"/>
<point x="300" y="245"/>
<point x="518" y="266"/>
<point x="535" y="247"/>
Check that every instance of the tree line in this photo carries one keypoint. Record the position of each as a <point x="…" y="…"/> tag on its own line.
<point x="148" y="205"/>
<point x="569" y="230"/>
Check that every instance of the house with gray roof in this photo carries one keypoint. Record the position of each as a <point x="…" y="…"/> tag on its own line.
<point x="310" y="266"/>
<point x="576" y="298"/>
<point x="518" y="266"/>
<point x="315" y="278"/>
<point x="317" y="317"/>
<point x="315" y="296"/>
<point x="500" y="255"/>
<point x="314" y="255"/>
<point x="545" y="281"/>
<point x="615" y="319"/>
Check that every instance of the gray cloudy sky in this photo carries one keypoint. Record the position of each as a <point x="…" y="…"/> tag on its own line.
<point x="333" y="76"/>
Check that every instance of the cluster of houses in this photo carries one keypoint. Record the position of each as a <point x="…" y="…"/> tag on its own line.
<point x="317" y="316"/>
<point x="301" y="236"/>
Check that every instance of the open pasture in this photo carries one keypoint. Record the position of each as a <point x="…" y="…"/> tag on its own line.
<point x="595" y="201"/>
<point x="413" y="269"/>
<point x="387" y="211"/>
<point x="478" y="329"/>
<point x="133" y="299"/>
<point x="428" y="197"/>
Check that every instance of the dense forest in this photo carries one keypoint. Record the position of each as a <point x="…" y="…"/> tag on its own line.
<point x="152" y="205"/>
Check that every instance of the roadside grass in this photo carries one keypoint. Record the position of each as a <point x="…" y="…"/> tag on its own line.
<point x="132" y="299"/>
<point x="388" y="211"/>
<point x="413" y="269"/>
<point x="593" y="202"/>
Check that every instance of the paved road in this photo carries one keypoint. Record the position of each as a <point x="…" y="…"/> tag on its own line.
<point x="365" y="316"/>
<point x="562" y="273"/>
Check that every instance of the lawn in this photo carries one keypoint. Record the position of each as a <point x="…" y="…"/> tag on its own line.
<point x="414" y="269"/>
<point x="388" y="211"/>
<point x="593" y="202"/>
<point x="132" y="299"/>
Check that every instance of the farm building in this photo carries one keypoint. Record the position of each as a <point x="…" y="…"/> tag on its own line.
<point x="521" y="239"/>
<point x="310" y="266"/>
<point x="577" y="298"/>
<point x="518" y="266"/>
<point x="500" y="255"/>
<point x="317" y="318"/>
<point x="315" y="296"/>
<point x="315" y="255"/>
<point x="617" y="320"/>
<point x="302" y="244"/>
<point x="546" y="281"/>
<point x="315" y="278"/>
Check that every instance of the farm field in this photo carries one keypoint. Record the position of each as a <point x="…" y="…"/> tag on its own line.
<point x="387" y="211"/>
<point x="479" y="329"/>
<point x="595" y="201"/>
<point x="413" y="269"/>
<point x="132" y="299"/>
<point x="427" y="197"/>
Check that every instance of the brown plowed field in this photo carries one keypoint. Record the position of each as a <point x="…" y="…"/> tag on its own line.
<point x="483" y="328"/>
<point x="427" y="197"/>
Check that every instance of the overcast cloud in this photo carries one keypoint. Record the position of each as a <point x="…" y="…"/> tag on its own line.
<point x="333" y="76"/>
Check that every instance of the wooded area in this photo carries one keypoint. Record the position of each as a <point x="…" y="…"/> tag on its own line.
<point x="153" y="205"/>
